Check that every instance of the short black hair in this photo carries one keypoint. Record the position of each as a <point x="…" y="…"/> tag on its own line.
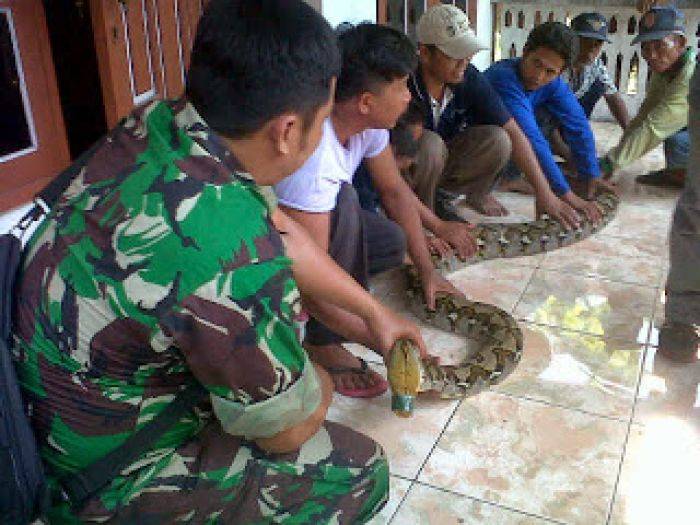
<point x="253" y="60"/>
<point x="556" y="37"/>
<point x="372" y="55"/>
<point x="402" y="141"/>
<point x="414" y="114"/>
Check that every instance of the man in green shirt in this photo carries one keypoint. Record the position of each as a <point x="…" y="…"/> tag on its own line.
<point x="166" y="262"/>
<point x="663" y="116"/>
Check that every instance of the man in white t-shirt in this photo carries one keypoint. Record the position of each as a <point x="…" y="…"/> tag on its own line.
<point x="371" y="95"/>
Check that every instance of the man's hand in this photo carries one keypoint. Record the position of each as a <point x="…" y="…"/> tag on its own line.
<point x="597" y="185"/>
<point x="589" y="209"/>
<point x="438" y="247"/>
<point x="434" y="283"/>
<point x="558" y="210"/>
<point x="458" y="236"/>
<point x="386" y="327"/>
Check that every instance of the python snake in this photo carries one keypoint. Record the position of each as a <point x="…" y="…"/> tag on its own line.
<point x="495" y="330"/>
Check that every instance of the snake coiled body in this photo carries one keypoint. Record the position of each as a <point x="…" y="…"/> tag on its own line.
<point x="499" y="338"/>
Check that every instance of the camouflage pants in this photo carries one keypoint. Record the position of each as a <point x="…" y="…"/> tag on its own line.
<point x="338" y="476"/>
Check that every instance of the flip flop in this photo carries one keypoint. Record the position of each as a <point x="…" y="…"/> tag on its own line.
<point x="372" y="391"/>
<point x="447" y="211"/>
<point x="658" y="178"/>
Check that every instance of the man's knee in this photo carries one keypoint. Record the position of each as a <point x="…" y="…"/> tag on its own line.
<point x="432" y="150"/>
<point x="677" y="150"/>
<point x="396" y="242"/>
<point x="345" y="218"/>
<point x="387" y="247"/>
<point x="366" y="477"/>
<point x="481" y="151"/>
<point x="497" y="145"/>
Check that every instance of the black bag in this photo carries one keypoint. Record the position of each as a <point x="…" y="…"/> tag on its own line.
<point x="22" y="484"/>
<point x="23" y="494"/>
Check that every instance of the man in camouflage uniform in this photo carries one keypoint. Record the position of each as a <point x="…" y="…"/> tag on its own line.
<point x="162" y="265"/>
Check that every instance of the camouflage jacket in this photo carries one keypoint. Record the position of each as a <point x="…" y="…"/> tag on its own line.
<point x="158" y="267"/>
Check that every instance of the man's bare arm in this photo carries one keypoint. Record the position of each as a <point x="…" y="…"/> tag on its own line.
<point x="398" y="201"/>
<point x="525" y="159"/>
<point x="618" y="108"/>
<point x="323" y="281"/>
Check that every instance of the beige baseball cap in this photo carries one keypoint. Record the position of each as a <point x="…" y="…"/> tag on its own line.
<point x="447" y="27"/>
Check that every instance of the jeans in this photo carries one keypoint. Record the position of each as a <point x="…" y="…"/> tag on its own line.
<point x="677" y="150"/>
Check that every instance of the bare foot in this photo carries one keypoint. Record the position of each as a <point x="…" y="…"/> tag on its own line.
<point x="517" y="186"/>
<point x="344" y="368"/>
<point x="489" y="206"/>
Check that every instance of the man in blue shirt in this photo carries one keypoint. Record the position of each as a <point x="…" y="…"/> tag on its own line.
<point x="589" y="80"/>
<point x="533" y="81"/>
<point x="469" y="134"/>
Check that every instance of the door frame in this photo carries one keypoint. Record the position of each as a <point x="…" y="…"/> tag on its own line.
<point x="24" y="173"/>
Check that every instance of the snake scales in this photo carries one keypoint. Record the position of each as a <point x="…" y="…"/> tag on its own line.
<point x="495" y="330"/>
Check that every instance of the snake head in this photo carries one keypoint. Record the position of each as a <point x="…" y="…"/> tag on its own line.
<point x="404" y="375"/>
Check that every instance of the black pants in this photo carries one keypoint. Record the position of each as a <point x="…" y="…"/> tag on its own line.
<point x="591" y="97"/>
<point x="363" y="244"/>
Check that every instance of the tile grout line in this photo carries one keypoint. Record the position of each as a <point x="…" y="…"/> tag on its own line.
<point x="437" y="440"/>
<point x="580" y="332"/>
<point x="490" y="503"/>
<point x="600" y="278"/>
<point x="612" y="419"/>
<point x="522" y="294"/>
<point x="630" y="423"/>
<point x="427" y="457"/>
<point x="533" y="325"/>
<point x="613" y="499"/>
<point x="398" y="507"/>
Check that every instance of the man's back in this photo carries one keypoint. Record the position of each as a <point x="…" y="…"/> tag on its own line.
<point x="115" y="278"/>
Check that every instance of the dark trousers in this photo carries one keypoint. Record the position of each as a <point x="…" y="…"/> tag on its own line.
<point x="591" y="97"/>
<point x="363" y="244"/>
<point x="683" y="285"/>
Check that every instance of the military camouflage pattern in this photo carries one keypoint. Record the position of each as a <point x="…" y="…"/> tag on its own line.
<point x="157" y="268"/>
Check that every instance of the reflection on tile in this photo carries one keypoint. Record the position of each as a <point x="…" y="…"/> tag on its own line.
<point x="428" y="506"/>
<point x="540" y="459"/>
<point x="398" y="489"/>
<point x="668" y="389"/>
<point x="407" y="442"/>
<point x="495" y="282"/>
<point x="577" y="371"/>
<point x="608" y="257"/>
<point x="609" y="309"/>
<point x="660" y="475"/>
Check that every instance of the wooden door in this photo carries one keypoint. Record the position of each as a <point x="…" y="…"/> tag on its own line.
<point x="33" y="145"/>
<point x="143" y="49"/>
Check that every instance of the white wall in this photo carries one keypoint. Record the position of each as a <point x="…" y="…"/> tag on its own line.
<point x="337" y="11"/>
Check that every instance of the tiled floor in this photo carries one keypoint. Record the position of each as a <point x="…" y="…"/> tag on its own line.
<point x="591" y="428"/>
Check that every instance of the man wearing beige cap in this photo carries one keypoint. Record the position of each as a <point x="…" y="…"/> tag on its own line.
<point x="470" y="135"/>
